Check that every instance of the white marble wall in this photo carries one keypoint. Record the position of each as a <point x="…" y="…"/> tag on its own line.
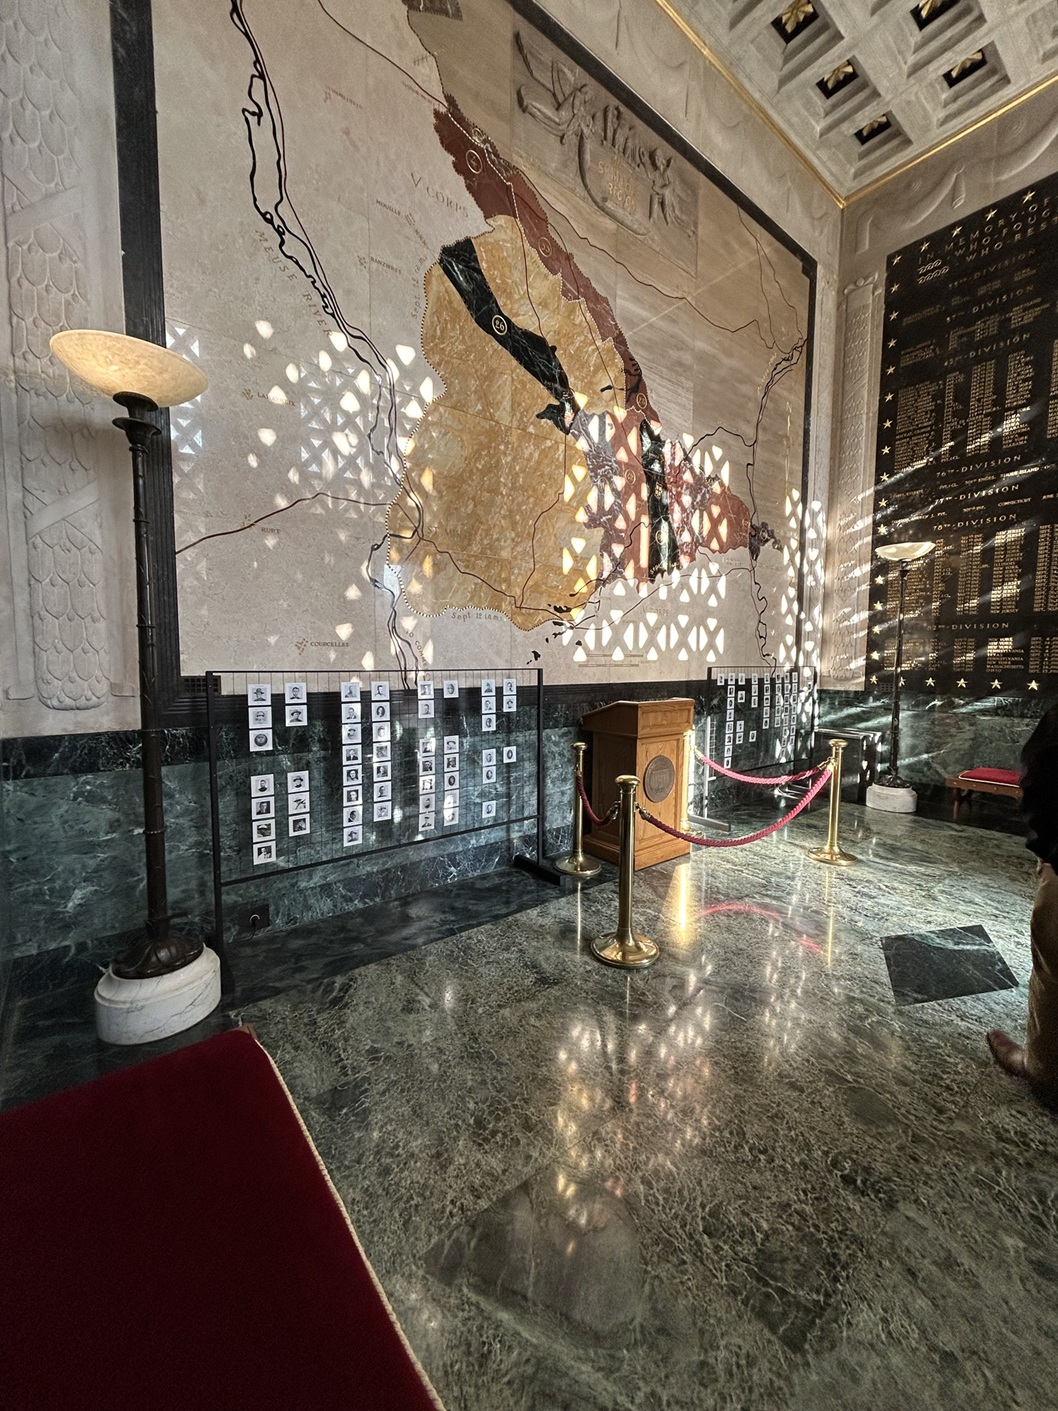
<point x="67" y="592"/>
<point x="987" y="165"/>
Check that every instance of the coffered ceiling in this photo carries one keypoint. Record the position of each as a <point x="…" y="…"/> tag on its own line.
<point x="862" y="88"/>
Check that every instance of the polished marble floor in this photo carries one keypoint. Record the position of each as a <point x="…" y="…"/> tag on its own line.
<point x="745" y="1178"/>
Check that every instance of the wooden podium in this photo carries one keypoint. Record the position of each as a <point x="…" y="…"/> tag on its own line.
<point x="648" y="739"/>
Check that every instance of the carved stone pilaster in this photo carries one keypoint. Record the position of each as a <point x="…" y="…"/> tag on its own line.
<point x="60" y="622"/>
<point x="851" y="499"/>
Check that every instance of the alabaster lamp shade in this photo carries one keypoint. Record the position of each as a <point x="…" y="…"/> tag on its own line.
<point x="114" y="363"/>
<point x="906" y="553"/>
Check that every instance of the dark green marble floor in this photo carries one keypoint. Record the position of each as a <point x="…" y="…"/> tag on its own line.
<point x="745" y="1178"/>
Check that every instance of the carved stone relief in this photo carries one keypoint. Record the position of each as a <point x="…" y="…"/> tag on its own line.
<point x="47" y="446"/>
<point x="848" y="559"/>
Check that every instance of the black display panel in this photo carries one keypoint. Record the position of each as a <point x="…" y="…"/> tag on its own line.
<point x="967" y="453"/>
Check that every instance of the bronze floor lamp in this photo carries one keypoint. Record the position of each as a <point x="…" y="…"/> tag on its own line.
<point x="142" y="995"/>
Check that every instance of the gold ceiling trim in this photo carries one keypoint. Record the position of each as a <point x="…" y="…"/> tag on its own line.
<point x="748" y="98"/>
<point x="974" y="126"/>
<point x="769" y="122"/>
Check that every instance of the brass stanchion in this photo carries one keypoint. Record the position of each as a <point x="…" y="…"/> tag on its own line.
<point x="624" y="947"/>
<point x="832" y="851"/>
<point x="575" y="864"/>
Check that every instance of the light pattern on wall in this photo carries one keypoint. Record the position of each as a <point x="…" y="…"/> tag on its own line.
<point x="560" y="400"/>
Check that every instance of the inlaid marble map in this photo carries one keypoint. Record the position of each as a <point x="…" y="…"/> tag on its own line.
<point x="497" y="371"/>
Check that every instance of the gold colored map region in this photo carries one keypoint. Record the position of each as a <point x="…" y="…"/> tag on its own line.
<point x="491" y="512"/>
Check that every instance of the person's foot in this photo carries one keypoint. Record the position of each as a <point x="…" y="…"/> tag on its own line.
<point x="1010" y="1056"/>
<point x="1013" y="1059"/>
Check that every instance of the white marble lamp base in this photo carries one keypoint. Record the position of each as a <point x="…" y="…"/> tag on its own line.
<point x="890" y="800"/>
<point x="139" y="1011"/>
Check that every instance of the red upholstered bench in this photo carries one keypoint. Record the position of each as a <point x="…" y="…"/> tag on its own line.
<point x="984" y="781"/>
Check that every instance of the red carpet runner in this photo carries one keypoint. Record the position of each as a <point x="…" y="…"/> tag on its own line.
<point x="169" y="1239"/>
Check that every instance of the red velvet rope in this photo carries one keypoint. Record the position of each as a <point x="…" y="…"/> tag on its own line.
<point x="599" y="822"/>
<point x="752" y="837"/>
<point x="754" y="778"/>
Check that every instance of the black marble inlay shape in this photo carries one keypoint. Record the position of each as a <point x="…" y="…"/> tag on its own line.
<point x="932" y="965"/>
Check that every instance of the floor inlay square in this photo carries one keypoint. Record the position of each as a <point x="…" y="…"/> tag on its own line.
<point x="934" y="965"/>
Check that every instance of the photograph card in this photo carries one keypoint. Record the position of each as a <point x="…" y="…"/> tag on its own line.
<point x="260" y="741"/>
<point x="295" y="692"/>
<point x="297" y="715"/>
<point x="264" y="831"/>
<point x="263" y="784"/>
<point x="258" y="693"/>
<point x="383" y="811"/>
<point x="299" y="826"/>
<point x="260" y="717"/>
<point x="352" y="836"/>
<point x="263" y="852"/>
<point x="350" y="690"/>
<point x="451" y="690"/>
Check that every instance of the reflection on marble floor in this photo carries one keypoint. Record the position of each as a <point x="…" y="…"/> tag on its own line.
<point x="931" y="965"/>
<point x="745" y="1178"/>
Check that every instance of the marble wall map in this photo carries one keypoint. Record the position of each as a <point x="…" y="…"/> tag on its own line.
<point x="968" y="451"/>
<point x="497" y="373"/>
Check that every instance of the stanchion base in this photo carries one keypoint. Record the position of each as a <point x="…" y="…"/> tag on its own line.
<point x="631" y="954"/>
<point x="573" y="866"/>
<point x="834" y="856"/>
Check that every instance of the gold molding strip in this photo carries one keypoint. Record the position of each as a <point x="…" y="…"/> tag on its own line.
<point x="770" y="123"/>
<point x="757" y="108"/>
<point x="950" y="141"/>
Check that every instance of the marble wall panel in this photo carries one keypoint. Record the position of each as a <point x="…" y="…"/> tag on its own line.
<point x="939" y="736"/>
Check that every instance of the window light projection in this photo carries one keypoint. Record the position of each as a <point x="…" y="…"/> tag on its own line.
<point x="487" y="414"/>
